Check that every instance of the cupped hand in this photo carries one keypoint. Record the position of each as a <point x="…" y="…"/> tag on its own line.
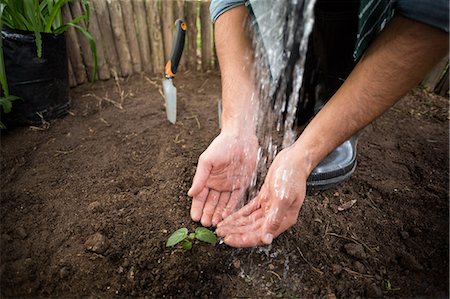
<point x="224" y="172"/>
<point x="273" y="210"/>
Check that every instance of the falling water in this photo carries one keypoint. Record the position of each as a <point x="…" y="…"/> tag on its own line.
<point x="280" y="39"/>
<point x="281" y="32"/>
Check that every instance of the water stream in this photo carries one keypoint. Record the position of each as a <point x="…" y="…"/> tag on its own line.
<point x="281" y="31"/>
<point x="280" y="38"/>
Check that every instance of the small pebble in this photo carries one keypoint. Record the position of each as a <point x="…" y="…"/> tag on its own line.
<point x="97" y="243"/>
<point x="355" y="250"/>
<point x="408" y="261"/>
<point x="237" y="264"/>
<point x="359" y="267"/>
<point x="337" y="269"/>
<point x="64" y="272"/>
<point x="415" y="231"/>
<point x="21" y="233"/>
<point x="94" y="207"/>
<point x="330" y="296"/>
<point x="6" y="238"/>
<point x="373" y="291"/>
<point x="271" y="267"/>
<point x="404" y="235"/>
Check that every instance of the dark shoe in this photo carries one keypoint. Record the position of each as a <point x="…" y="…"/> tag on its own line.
<point x="336" y="168"/>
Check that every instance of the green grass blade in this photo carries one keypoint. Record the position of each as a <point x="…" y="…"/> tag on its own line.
<point x="5" y="103"/>
<point x="87" y="10"/>
<point x="91" y="43"/>
<point x="53" y="14"/>
<point x="3" y="80"/>
<point x="17" y="19"/>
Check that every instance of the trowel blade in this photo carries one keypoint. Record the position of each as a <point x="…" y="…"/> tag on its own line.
<point x="170" y="95"/>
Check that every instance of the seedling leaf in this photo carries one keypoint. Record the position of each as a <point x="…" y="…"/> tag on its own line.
<point x="177" y="237"/>
<point x="191" y="236"/>
<point x="187" y="245"/>
<point x="205" y="235"/>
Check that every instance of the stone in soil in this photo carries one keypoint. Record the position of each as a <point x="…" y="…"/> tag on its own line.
<point x="21" y="233"/>
<point x="97" y="243"/>
<point x="6" y="238"/>
<point x="359" y="267"/>
<point x="64" y="272"/>
<point x="95" y="206"/>
<point x="404" y="235"/>
<point x="408" y="261"/>
<point x="337" y="269"/>
<point x="355" y="250"/>
<point x="237" y="264"/>
<point x="373" y="291"/>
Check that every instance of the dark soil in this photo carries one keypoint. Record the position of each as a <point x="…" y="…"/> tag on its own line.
<point x="88" y="202"/>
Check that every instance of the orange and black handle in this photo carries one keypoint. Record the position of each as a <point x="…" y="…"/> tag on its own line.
<point x="177" y="49"/>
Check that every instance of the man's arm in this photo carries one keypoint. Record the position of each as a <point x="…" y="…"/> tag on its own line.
<point x="225" y="168"/>
<point x="235" y="54"/>
<point x="397" y="60"/>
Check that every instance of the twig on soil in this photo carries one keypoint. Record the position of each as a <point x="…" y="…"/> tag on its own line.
<point x="116" y="104"/>
<point x="275" y="273"/>
<point x="372" y="204"/>
<point x="105" y="122"/>
<point x="177" y="140"/>
<point x="156" y="85"/>
<point x="350" y="271"/>
<point x="196" y="119"/>
<point x="352" y="239"/>
<point x="45" y="124"/>
<point x="203" y="85"/>
<point x="312" y="267"/>
<point x="58" y="152"/>
<point x="120" y="90"/>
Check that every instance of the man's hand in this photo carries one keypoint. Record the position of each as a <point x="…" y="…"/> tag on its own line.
<point x="224" y="172"/>
<point x="276" y="207"/>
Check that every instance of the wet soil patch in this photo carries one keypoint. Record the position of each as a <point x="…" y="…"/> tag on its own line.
<point x="88" y="202"/>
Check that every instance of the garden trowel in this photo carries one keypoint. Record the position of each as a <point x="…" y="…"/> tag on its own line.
<point x="170" y="91"/>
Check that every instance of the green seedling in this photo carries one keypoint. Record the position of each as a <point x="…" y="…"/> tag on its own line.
<point x="187" y="239"/>
<point x="389" y="287"/>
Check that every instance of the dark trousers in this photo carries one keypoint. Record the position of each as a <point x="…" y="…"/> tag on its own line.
<point x="329" y="58"/>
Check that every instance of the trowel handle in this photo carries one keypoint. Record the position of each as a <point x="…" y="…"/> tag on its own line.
<point x="177" y="49"/>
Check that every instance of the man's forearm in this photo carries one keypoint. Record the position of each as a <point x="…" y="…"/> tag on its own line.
<point x="396" y="62"/>
<point x="235" y="54"/>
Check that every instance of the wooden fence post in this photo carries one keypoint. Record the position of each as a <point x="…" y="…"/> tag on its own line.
<point x="442" y="87"/>
<point x="156" y="42"/>
<point x="434" y="76"/>
<point x="72" y="79"/>
<point x="130" y="30"/>
<point x="168" y="22"/>
<point x="206" y="34"/>
<point x="115" y="12"/>
<point x="73" y="48"/>
<point x="136" y="35"/>
<point x="103" y="67"/>
<point x="142" y="35"/>
<point x="191" y="22"/>
<point x="86" y="52"/>
<point x="104" y="23"/>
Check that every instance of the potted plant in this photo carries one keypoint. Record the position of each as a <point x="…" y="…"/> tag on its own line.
<point x="33" y="59"/>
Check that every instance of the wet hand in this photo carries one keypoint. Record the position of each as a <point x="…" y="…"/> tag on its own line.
<point x="223" y="174"/>
<point x="273" y="210"/>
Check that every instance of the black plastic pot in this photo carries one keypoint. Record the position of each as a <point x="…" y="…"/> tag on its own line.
<point x="41" y="83"/>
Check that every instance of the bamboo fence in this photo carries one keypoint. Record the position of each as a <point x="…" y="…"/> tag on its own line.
<point x="135" y="36"/>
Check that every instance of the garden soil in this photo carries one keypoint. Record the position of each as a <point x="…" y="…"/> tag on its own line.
<point x="88" y="201"/>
